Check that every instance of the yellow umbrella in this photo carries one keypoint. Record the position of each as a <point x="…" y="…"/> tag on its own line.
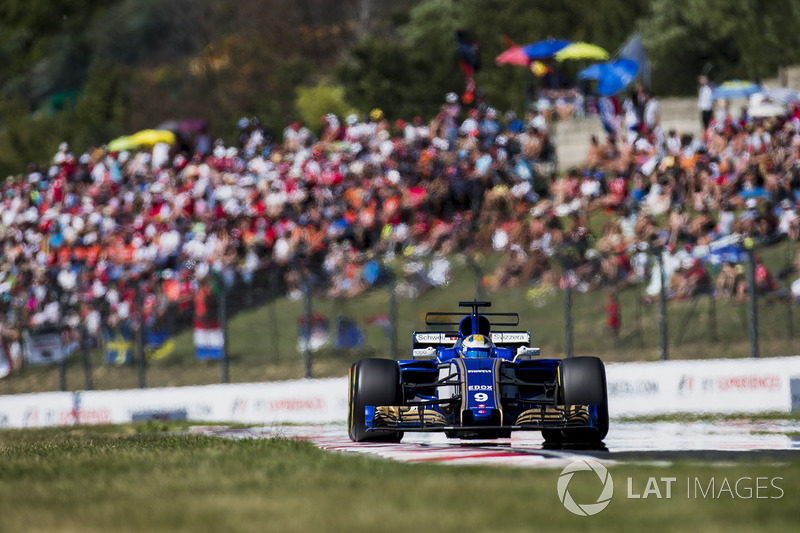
<point x="539" y="69"/>
<point x="121" y="143"/>
<point x="151" y="137"/>
<point x="581" y="51"/>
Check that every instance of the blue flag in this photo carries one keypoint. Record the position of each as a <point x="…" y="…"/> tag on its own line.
<point x="348" y="334"/>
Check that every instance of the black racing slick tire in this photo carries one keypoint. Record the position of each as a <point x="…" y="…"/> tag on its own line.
<point x="582" y="382"/>
<point x="372" y="382"/>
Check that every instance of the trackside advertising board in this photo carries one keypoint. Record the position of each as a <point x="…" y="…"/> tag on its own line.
<point x="712" y="386"/>
<point x="303" y="401"/>
<point x="707" y="386"/>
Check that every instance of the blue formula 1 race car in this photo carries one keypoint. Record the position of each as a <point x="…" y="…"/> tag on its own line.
<point x="478" y="382"/>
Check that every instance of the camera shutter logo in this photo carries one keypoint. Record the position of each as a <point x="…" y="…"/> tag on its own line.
<point x="585" y="509"/>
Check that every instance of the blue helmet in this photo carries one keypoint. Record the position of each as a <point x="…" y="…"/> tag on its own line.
<point x="477" y="346"/>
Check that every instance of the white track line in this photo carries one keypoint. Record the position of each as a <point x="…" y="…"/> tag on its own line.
<point x="416" y="448"/>
<point x="524" y="449"/>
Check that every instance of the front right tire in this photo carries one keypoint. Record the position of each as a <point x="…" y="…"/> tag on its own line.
<point x="372" y="382"/>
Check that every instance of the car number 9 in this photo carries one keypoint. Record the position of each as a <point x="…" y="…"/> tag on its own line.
<point x="481" y="397"/>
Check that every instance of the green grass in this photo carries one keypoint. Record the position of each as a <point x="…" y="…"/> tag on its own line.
<point x="138" y="478"/>
<point x="709" y="417"/>
<point x="262" y="341"/>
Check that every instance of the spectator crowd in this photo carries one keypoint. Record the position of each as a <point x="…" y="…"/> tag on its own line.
<point x="100" y="238"/>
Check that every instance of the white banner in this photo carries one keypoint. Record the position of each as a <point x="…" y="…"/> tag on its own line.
<point x="303" y="402"/>
<point x="44" y="348"/>
<point x="707" y="386"/>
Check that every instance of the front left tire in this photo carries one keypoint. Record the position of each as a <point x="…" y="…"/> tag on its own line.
<point x="582" y="382"/>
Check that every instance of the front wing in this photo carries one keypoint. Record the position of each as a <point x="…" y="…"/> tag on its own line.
<point x="419" y="419"/>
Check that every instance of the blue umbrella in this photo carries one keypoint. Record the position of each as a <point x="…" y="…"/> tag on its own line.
<point x="734" y="89"/>
<point x="617" y="76"/>
<point x="754" y="192"/>
<point x="611" y="77"/>
<point x="782" y="95"/>
<point x="544" y="49"/>
<point x="592" y="72"/>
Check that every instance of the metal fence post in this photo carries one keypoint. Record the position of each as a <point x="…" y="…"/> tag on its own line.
<point x="87" y="364"/>
<point x="62" y="375"/>
<point x="789" y="299"/>
<point x="224" y="373"/>
<point x="140" y="361"/>
<point x="392" y="318"/>
<point x="273" y="297"/>
<point x="662" y="306"/>
<point x="248" y="295"/>
<point x="639" y="327"/>
<point x="753" y="304"/>
<point x="567" y="256"/>
<point x="307" y="311"/>
<point x="568" y="319"/>
<point x="62" y="365"/>
<point x="476" y="269"/>
<point x="712" y="318"/>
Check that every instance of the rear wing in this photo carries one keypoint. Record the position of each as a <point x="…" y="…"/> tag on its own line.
<point x="434" y="318"/>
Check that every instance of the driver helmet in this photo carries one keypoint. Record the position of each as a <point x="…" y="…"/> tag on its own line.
<point x="477" y="346"/>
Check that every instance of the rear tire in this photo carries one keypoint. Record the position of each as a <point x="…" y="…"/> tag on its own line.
<point x="583" y="382"/>
<point x="372" y="382"/>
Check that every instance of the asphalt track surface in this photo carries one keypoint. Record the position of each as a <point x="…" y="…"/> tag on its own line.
<point x="724" y="441"/>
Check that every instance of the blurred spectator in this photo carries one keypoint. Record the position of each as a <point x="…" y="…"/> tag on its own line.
<point x="613" y="315"/>
<point x="80" y="236"/>
<point x="704" y="102"/>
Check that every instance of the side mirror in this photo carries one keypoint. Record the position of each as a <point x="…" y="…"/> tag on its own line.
<point x="526" y="352"/>
<point x="424" y="353"/>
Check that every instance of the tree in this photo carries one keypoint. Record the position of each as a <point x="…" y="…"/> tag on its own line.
<point x="422" y="49"/>
<point x="407" y="70"/>
<point x="725" y="38"/>
<point x="314" y="102"/>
